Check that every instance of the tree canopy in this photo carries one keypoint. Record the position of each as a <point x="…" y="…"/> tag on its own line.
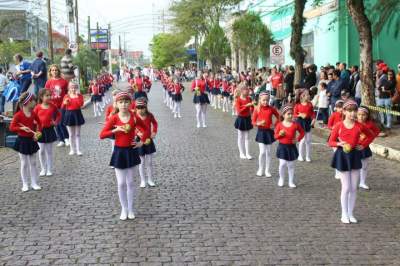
<point x="251" y="35"/>
<point x="168" y="49"/>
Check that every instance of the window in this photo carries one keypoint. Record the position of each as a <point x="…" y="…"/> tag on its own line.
<point x="308" y="45"/>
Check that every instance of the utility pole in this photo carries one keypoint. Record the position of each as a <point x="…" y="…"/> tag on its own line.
<point x="125" y="51"/>
<point x="119" y="51"/>
<point x="77" y="26"/>
<point x="50" y="32"/>
<point x="97" y="43"/>
<point x="88" y="28"/>
<point x="163" y="21"/>
<point x="109" y="49"/>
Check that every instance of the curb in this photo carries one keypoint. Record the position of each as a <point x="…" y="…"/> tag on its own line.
<point x="383" y="151"/>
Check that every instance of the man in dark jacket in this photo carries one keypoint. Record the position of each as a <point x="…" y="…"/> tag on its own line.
<point x="336" y="87"/>
<point x="39" y="72"/>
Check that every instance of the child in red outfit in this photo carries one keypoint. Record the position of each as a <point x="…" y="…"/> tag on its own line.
<point x="363" y="117"/>
<point x="49" y="116"/>
<point x="263" y="119"/>
<point x="305" y="116"/>
<point x="27" y="125"/>
<point x="244" y="107"/>
<point x="147" y="129"/>
<point x="347" y="137"/>
<point x="285" y="134"/>
<point x="73" y="102"/>
<point x="125" y="156"/>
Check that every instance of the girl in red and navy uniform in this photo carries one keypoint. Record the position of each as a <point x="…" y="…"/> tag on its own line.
<point x="285" y="133"/>
<point x="27" y="125"/>
<point x="225" y="95"/>
<point x="215" y="84"/>
<point x="200" y="99"/>
<point x="263" y="119"/>
<point x="305" y="116"/>
<point x="337" y="115"/>
<point x="49" y="116"/>
<point x="96" y="97"/>
<point x="125" y="156"/>
<point x="111" y="110"/>
<point x="363" y="117"/>
<point x="244" y="107"/>
<point x="170" y="93"/>
<point x="234" y="93"/>
<point x="146" y="126"/>
<point x="346" y="137"/>
<point x="73" y="102"/>
<point x="177" y="97"/>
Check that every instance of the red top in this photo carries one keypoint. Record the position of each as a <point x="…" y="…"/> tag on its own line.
<point x="240" y="107"/>
<point x="48" y="116"/>
<point x="58" y="89"/>
<point x="335" y="118"/>
<point x="290" y="133"/>
<point x="139" y="83"/>
<point x="122" y="139"/>
<point x="73" y="103"/>
<point x="351" y="136"/>
<point x="95" y="89"/>
<point x="199" y="83"/>
<point x="20" y="119"/>
<point x="373" y="129"/>
<point x="307" y="109"/>
<point x="133" y="106"/>
<point x="109" y="110"/>
<point x="276" y="80"/>
<point x="264" y="113"/>
<point x="146" y="126"/>
<point x="177" y="88"/>
<point x="214" y="83"/>
<point x="225" y="86"/>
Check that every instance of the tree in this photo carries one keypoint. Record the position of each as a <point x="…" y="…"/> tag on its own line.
<point x="357" y="12"/>
<point x="87" y="60"/>
<point x="215" y="47"/>
<point x="386" y="12"/>
<point x="251" y="36"/>
<point x="9" y="49"/>
<point x="168" y="49"/>
<point x="296" y="50"/>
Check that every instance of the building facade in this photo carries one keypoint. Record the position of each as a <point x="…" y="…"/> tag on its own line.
<point x="329" y="35"/>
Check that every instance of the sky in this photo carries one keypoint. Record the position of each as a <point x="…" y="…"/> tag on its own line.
<point x="139" y="19"/>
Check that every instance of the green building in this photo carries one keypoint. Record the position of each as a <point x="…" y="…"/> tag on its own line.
<point x="329" y="35"/>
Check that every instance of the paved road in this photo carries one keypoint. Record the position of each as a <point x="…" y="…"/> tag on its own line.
<point x="209" y="207"/>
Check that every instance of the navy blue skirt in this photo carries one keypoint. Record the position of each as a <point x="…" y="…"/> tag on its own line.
<point x="125" y="157"/>
<point x="265" y="136"/>
<point x="48" y="135"/>
<point x="366" y="153"/>
<point x="287" y="152"/>
<point x="243" y="123"/>
<point x="96" y="98"/>
<point x="177" y="97"/>
<point x="73" y="118"/>
<point x="201" y="99"/>
<point x="343" y="161"/>
<point x="304" y="123"/>
<point x="147" y="149"/>
<point x="140" y="94"/>
<point x="225" y="94"/>
<point x="26" y="145"/>
<point x="215" y="91"/>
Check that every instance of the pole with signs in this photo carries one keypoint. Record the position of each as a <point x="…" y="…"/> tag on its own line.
<point x="277" y="53"/>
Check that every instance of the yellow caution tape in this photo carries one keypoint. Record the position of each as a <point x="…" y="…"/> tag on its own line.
<point x="383" y="110"/>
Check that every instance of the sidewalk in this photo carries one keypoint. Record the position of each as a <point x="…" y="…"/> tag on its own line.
<point x="387" y="147"/>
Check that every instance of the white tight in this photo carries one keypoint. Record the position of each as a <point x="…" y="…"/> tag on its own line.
<point x="177" y="108"/>
<point x="46" y="156"/>
<point x="201" y="110"/>
<point x="74" y="138"/>
<point x="146" y="162"/>
<point x="28" y="167"/>
<point x="225" y="104"/>
<point x="126" y="188"/>
<point x="306" y="141"/>
<point x="212" y="99"/>
<point x="96" y="108"/>
<point x="264" y="158"/>
<point x="170" y="102"/>
<point x="364" y="171"/>
<point x="243" y="142"/>
<point x="216" y="102"/>
<point x="290" y="167"/>
<point x="348" y="194"/>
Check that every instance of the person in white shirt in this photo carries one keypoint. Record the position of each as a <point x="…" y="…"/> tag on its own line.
<point x="323" y="103"/>
<point x="3" y="83"/>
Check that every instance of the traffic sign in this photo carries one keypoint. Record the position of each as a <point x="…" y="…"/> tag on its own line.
<point x="277" y="54"/>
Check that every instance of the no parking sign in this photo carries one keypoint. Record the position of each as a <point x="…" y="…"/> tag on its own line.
<point x="277" y="54"/>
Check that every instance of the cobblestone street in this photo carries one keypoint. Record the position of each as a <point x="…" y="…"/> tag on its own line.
<point x="209" y="207"/>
